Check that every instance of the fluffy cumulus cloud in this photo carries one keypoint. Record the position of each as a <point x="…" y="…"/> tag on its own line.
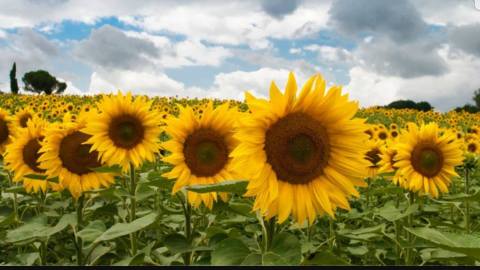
<point x="399" y="20"/>
<point x="279" y="8"/>
<point x="444" y="92"/>
<point x="145" y="83"/>
<point x="466" y="37"/>
<point x="407" y="60"/>
<point x="29" y="49"/>
<point x="108" y="47"/>
<point x="234" y="84"/>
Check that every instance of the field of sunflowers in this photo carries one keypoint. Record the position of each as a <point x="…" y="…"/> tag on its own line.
<point x="303" y="177"/>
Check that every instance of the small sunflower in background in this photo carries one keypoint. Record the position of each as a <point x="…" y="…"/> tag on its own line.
<point x="303" y="154"/>
<point x="200" y="148"/>
<point x="6" y="129"/>
<point x="65" y="155"/>
<point x="473" y="146"/>
<point x="21" y="117"/>
<point x="373" y="156"/>
<point x="22" y="158"/>
<point x="126" y="132"/>
<point x="427" y="160"/>
<point x="388" y="163"/>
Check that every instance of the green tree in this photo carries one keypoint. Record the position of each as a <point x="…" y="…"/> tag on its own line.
<point x="468" y="108"/>
<point x="476" y="97"/>
<point x="41" y="81"/>
<point x="424" y="106"/>
<point x="13" y="79"/>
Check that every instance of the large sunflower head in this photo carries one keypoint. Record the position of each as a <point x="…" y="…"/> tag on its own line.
<point x="125" y="132"/>
<point x="6" y="129"/>
<point x="427" y="159"/>
<point x="200" y="146"/>
<point x="303" y="153"/>
<point x="22" y="157"/>
<point x="65" y="155"/>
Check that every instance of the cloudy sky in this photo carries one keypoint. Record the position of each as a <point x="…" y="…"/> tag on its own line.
<point x="379" y="50"/>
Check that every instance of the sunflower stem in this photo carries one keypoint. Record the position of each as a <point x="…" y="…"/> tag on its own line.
<point x="43" y="253"/>
<point x="331" y="237"/>
<point x="409" y="255"/>
<point x="80" y="205"/>
<point x="15" y="207"/>
<point x="397" y="244"/>
<point x="367" y="193"/>
<point x="270" y="232"/>
<point x="187" y="211"/>
<point x="133" y="209"/>
<point x="467" y="203"/>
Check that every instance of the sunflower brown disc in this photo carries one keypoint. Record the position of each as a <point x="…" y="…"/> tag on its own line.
<point x="31" y="155"/>
<point x="126" y="131"/>
<point x="427" y="159"/>
<point x="297" y="148"/>
<point x="4" y="132"/>
<point x="24" y="120"/>
<point x="205" y="152"/>
<point x="373" y="156"/>
<point x="382" y="135"/>
<point x="76" y="156"/>
<point x="472" y="147"/>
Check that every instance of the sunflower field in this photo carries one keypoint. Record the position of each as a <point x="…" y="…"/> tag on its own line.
<point x="303" y="177"/>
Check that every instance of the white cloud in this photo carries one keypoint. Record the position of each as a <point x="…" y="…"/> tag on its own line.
<point x="146" y="83"/>
<point x="295" y="51"/>
<point x="455" y="12"/>
<point x="234" y="23"/>
<point x="329" y="53"/>
<point x="444" y="92"/>
<point x="234" y="84"/>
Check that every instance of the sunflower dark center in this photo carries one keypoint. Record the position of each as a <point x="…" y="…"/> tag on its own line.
<point x="126" y="131"/>
<point x="205" y="152"/>
<point x="4" y="132"/>
<point x="472" y="148"/>
<point x="24" y="119"/>
<point x="427" y="160"/>
<point x="76" y="156"/>
<point x="373" y="156"/>
<point x="31" y="155"/>
<point x="382" y="135"/>
<point x="297" y="148"/>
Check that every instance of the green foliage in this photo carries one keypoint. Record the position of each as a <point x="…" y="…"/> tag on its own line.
<point x="409" y="104"/>
<point x="13" y="79"/>
<point x="476" y="98"/>
<point x="41" y="81"/>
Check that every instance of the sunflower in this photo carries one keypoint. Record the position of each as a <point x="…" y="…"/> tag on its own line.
<point x="472" y="146"/>
<point x="200" y="148"/>
<point x="5" y="130"/>
<point x="303" y="154"/>
<point x="126" y="132"/>
<point x="387" y="162"/>
<point x="22" y="117"/>
<point x="373" y="156"/>
<point x="21" y="157"/>
<point x="426" y="159"/>
<point x="64" y="155"/>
